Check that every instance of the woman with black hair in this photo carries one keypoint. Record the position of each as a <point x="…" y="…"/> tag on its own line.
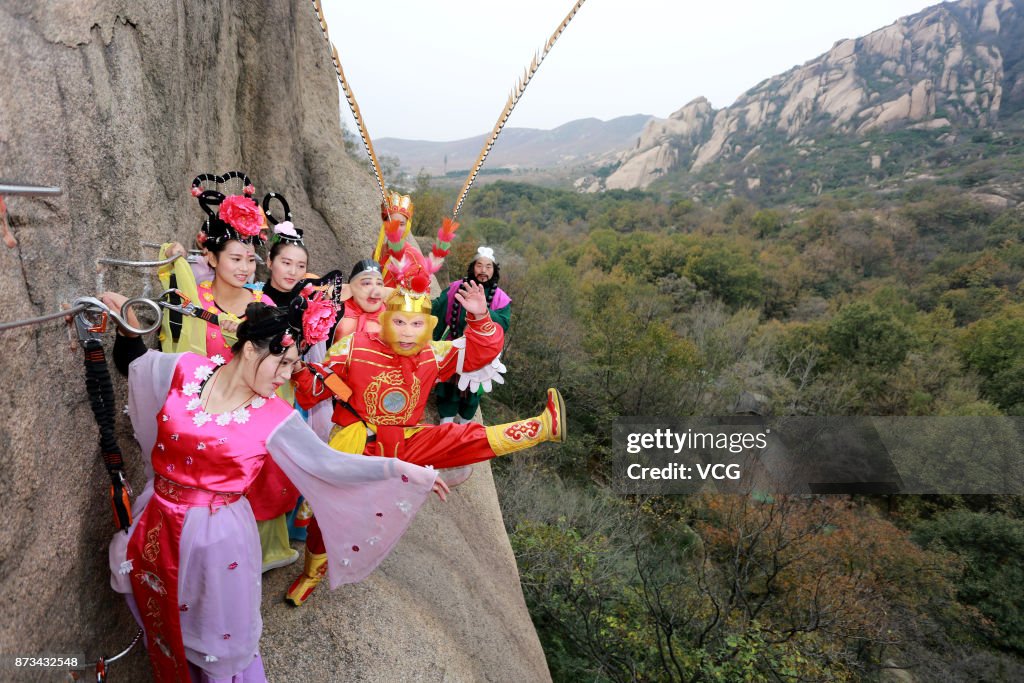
<point x="288" y="257"/>
<point x="287" y="262"/>
<point x="235" y="225"/>
<point x="190" y="563"/>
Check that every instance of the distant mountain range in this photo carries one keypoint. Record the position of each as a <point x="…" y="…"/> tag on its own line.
<point x="570" y="145"/>
<point x="935" y="75"/>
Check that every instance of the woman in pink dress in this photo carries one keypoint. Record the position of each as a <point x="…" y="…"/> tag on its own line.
<point x="190" y="563"/>
<point x="234" y="226"/>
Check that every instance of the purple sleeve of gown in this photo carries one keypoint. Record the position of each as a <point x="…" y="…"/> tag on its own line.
<point x="500" y="300"/>
<point x="362" y="503"/>
<point x="149" y="381"/>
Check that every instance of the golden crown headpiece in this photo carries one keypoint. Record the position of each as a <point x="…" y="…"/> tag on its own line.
<point x="412" y="284"/>
<point x="408" y="302"/>
<point x="397" y="205"/>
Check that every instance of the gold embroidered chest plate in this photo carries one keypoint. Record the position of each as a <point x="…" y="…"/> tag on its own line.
<point x="388" y="401"/>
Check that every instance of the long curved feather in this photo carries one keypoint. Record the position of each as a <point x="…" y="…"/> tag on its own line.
<point x="351" y="99"/>
<point x="513" y="99"/>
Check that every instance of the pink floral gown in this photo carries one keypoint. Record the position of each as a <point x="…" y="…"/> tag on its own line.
<point x="190" y="563"/>
<point x="272" y="495"/>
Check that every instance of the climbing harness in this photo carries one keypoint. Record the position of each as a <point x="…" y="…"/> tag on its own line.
<point x="90" y="324"/>
<point x="178" y="302"/>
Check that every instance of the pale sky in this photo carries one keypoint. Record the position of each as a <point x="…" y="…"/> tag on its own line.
<point x="442" y="69"/>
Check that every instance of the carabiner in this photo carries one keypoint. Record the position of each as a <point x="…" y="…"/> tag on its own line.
<point x="186" y="307"/>
<point x="89" y="328"/>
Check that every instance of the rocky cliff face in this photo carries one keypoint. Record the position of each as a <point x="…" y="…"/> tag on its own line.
<point x="957" y="64"/>
<point x="121" y="103"/>
<point x="657" y="149"/>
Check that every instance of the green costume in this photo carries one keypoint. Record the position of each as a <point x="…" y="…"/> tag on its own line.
<point x="451" y="322"/>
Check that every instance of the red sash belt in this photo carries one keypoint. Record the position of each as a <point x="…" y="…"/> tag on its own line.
<point x="193" y="496"/>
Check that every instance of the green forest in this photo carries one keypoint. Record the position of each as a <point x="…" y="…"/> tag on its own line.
<point x="907" y="302"/>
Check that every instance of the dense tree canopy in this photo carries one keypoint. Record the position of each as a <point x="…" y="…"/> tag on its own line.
<point x="636" y="305"/>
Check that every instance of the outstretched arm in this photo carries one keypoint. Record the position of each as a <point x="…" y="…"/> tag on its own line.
<point x="483" y="340"/>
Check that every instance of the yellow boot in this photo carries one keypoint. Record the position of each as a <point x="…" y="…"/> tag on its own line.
<point x="515" y="436"/>
<point x="309" y="579"/>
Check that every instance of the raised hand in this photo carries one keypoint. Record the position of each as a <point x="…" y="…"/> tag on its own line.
<point x="473" y="299"/>
<point x="176" y="249"/>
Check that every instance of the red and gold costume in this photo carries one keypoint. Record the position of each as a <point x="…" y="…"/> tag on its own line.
<point x="358" y="317"/>
<point x="390" y="393"/>
<point x="390" y="384"/>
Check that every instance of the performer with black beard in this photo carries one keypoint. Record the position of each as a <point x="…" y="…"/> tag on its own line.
<point x="453" y="404"/>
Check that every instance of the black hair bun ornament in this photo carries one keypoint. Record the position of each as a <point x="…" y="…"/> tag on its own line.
<point x="208" y="188"/>
<point x="296" y="308"/>
<point x="281" y="230"/>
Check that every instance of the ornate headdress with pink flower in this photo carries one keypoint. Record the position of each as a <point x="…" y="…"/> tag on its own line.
<point x="229" y="216"/>
<point x="281" y="230"/>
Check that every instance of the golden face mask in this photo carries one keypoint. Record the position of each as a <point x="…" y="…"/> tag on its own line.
<point x="406" y="333"/>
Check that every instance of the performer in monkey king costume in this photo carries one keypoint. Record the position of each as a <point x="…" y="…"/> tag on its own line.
<point x="381" y="382"/>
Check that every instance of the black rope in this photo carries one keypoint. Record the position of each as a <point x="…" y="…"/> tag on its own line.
<point x="101" y="399"/>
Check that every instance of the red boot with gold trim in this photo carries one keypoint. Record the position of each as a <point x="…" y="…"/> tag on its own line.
<point x="311" y="576"/>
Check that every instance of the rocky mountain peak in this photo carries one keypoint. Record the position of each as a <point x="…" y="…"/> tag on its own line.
<point x="655" y="150"/>
<point x="956" y="64"/>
